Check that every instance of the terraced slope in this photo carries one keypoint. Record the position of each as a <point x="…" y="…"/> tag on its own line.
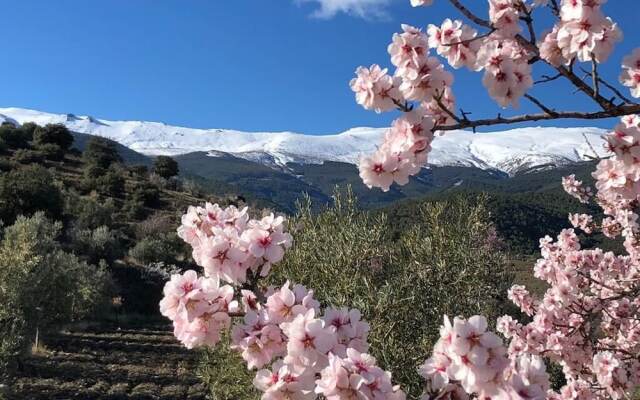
<point x="109" y="363"/>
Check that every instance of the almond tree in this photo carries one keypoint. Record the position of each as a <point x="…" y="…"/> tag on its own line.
<point x="588" y="320"/>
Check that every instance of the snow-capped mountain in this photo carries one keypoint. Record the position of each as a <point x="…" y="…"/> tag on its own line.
<point x="508" y="151"/>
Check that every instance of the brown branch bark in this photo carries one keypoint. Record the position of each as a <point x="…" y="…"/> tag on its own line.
<point x="540" y="104"/>
<point x="618" y="111"/>
<point x="470" y="15"/>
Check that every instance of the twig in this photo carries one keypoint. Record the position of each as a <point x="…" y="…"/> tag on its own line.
<point x="466" y="42"/>
<point x="595" y="153"/>
<point x="555" y="7"/>
<point x="612" y="88"/>
<point x="539" y="104"/>
<point x="617" y="111"/>
<point x="406" y="107"/>
<point x="444" y="108"/>
<point x="467" y="13"/>
<point x="594" y="75"/>
<point x="547" y="78"/>
<point x="528" y="19"/>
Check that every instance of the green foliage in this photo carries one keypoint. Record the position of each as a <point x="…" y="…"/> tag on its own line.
<point x="51" y="151"/>
<point x="28" y="129"/>
<point x="27" y="156"/>
<point x="89" y="213"/>
<point x="447" y="263"/>
<point x="111" y="183"/>
<point x="166" y="167"/>
<point x="14" y="138"/>
<point x="96" y="244"/>
<point x="56" y="134"/>
<point x="41" y="286"/>
<point x="146" y="193"/>
<point x="27" y="190"/>
<point x="159" y="248"/>
<point x="224" y="372"/>
<point x="101" y="152"/>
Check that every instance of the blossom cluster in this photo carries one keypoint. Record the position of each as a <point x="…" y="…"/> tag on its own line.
<point x="198" y="307"/>
<point x="630" y="76"/>
<point x="583" y="33"/>
<point x="298" y="349"/>
<point x="421" y="88"/>
<point x="418" y="78"/>
<point x="467" y="359"/>
<point x="227" y="244"/>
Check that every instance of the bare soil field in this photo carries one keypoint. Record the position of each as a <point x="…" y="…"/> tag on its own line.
<point x="108" y="363"/>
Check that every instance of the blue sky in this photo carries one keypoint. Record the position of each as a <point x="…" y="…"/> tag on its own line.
<point x="245" y="64"/>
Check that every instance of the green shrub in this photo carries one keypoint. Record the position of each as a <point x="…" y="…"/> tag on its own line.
<point x="111" y="183"/>
<point x="26" y="156"/>
<point x="447" y="264"/>
<point x="56" y="134"/>
<point x="96" y="244"/>
<point x="162" y="248"/>
<point x="166" y="167"/>
<point x="89" y="213"/>
<point x="28" y="129"/>
<point x="134" y="210"/>
<point x="51" y="151"/>
<point x="13" y="137"/>
<point x="41" y="286"/>
<point x="147" y="194"/>
<point x="101" y="152"/>
<point x="27" y="190"/>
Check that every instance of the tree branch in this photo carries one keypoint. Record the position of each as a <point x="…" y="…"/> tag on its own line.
<point x="466" y="42"/>
<point x="467" y="13"/>
<point x="547" y="78"/>
<point x="540" y="105"/>
<point x="612" y="88"/>
<point x="594" y="76"/>
<point x="612" y="112"/>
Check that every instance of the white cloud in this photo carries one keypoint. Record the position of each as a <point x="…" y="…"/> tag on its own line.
<point x="367" y="9"/>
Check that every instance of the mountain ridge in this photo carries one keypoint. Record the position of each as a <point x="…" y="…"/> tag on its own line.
<point x="508" y="151"/>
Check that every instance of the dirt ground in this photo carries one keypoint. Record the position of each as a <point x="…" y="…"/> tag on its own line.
<point x="112" y="363"/>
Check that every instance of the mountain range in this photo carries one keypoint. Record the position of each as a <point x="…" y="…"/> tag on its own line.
<point x="279" y="166"/>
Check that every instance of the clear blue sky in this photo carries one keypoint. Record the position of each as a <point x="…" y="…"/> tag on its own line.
<point x="243" y="64"/>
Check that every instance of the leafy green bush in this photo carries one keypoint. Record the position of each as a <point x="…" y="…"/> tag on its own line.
<point x="147" y="193"/>
<point x="51" y="151"/>
<point x="166" y="167"/>
<point x="27" y="190"/>
<point x="14" y="138"/>
<point x="448" y="263"/>
<point x="41" y="286"/>
<point x="154" y="249"/>
<point x="111" y="183"/>
<point x="89" y="213"/>
<point x="56" y="134"/>
<point x="96" y="244"/>
<point x="101" y="152"/>
<point x="27" y="156"/>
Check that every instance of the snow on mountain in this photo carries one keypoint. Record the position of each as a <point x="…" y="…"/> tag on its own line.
<point x="508" y="151"/>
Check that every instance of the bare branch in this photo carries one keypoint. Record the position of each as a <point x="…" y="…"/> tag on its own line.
<point x="613" y="89"/>
<point x="539" y="104"/>
<point x="470" y="15"/>
<point x="611" y="112"/>
<point x="547" y="78"/>
<point x="568" y="73"/>
<point x="528" y="19"/>
<point x="404" y="107"/>
<point x="444" y="108"/>
<point x="466" y="42"/>
<point x="594" y="75"/>
<point x="555" y="7"/>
